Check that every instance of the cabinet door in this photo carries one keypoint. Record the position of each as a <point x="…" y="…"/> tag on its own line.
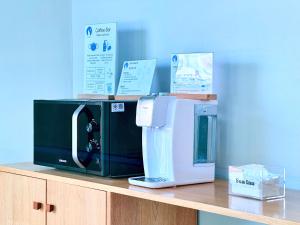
<point x="17" y="195"/>
<point x="74" y="205"/>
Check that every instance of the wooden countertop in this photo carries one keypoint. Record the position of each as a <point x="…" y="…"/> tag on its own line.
<point x="211" y="197"/>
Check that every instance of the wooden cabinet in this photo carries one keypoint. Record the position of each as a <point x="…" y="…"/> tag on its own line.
<point x="87" y="199"/>
<point x="74" y="205"/>
<point x="32" y="201"/>
<point x="17" y="197"/>
<point x="25" y="200"/>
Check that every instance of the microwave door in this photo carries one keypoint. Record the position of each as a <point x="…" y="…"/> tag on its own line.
<point x="53" y="133"/>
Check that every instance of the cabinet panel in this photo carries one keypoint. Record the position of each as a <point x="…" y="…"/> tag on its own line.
<point x="17" y="194"/>
<point x="124" y="210"/>
<point x="74" y="205"/>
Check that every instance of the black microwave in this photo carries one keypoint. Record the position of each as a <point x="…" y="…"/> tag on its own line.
<point x="92" y="136"/>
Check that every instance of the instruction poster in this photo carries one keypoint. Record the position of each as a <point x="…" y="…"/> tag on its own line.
<point x="192" y="73"/>
<point x="137" y="77"/>
<point x="100" y="49"/>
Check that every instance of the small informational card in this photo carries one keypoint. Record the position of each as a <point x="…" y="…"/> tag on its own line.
<point x="100" y="50"/>
<point x="192" y="73"/>
<point x="137" y="77"/>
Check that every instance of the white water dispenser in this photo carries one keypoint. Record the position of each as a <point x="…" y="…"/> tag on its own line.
<point x="179" y="141"/>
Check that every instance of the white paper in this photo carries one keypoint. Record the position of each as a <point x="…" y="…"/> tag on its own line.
<point x="137" y="77"/>
<point x="100" y="59"/>
<point x="192" y="73"/>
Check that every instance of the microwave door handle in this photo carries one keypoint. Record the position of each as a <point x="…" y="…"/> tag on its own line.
<point x="75" y="136"/>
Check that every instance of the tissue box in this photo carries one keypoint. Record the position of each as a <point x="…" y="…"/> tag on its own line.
<point x="257" y="181"/>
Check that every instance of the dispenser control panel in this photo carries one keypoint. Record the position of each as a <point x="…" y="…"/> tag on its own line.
<point x="144" y="114"/>
<point x="152" y="111"/>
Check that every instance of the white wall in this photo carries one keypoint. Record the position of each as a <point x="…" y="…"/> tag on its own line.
<point x="35" y="62"/>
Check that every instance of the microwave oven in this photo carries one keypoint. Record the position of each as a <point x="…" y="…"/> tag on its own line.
<point x="91" y="136"/>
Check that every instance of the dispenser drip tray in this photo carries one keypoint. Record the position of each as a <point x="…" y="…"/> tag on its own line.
<point x="151" y="182"/>
<point x="150" y="179"/>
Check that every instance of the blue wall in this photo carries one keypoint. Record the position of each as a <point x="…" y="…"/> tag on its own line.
<point x="257" y="78"/>
<point x="35" y="62"/>
<point x="256" y="46"/>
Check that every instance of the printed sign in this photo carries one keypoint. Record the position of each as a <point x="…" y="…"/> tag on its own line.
<point x="137" y="77"/>
<point x="100" y="59"/>
<point x="192" y="73"/>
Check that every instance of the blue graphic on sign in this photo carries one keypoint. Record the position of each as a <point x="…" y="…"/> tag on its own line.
<point x="89" y="31"/>
<point x="109" y="87"/>
<point x="126" y="65"/>
<point x="174" y="59"/>
<point x="106" y="46"/>
<point x="93" y="46"/>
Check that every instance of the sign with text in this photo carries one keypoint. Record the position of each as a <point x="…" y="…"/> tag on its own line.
<point x="192" y="73"/>
<point x="137" y="77"/>
<point x="100" y="50"/>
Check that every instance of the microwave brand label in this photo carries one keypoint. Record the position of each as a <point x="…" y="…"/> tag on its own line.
<point x="117" y="107"/>
<point x="62" y="161"/>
